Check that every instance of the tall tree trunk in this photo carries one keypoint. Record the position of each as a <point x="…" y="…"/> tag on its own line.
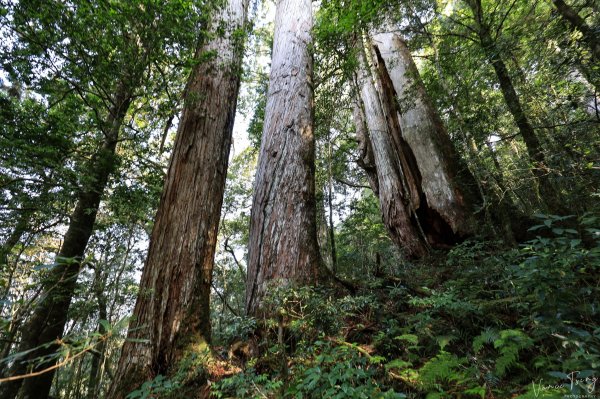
<point x="447" y="194"/>
<point x="98" y="355"/>
<point x="283" y="239"/>
<point x="330" y="226"/>
<point x="591" y="37"/>
<point x="49" y="317"/>
<point x="366" y="159"/>
<point x="171" y="318"/>
<point x="395" y="181"/>
<point x="534" y="147"/>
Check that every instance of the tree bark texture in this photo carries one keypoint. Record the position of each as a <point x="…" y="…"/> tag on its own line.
<point x="49" y="317"/>
<point x="513" y="103"/>
<point x="283" y="239"/>
<point x="393" y="178"/>
<point x="366" y="158"/>
<point x="171" y="318"/>
<point x="445" y="197"/>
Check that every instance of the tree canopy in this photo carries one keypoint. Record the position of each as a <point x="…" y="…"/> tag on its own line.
<point x="409" y="207"/>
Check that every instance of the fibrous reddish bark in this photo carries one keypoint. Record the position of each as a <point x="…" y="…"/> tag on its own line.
<point x="366" y="158"/>
<point x="172" y="314"/>
<point x="445" y="195"/>
<point x="395" y="181"/>
<point x="283" y="239"/>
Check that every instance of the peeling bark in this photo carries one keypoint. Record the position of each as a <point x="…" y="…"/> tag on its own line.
<point x="395" y="200"/>
<point x="283" y="239"/>
<point x="366" y="158"/>
<point x="172" y="311"/>
<point x="445" y="193"/>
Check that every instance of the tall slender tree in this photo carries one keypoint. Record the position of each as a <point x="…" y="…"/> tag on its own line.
<point x="106" y="75"/>
<point x="535" y="151"/>
<point x="283" y="238"/>
<point x="49" y="317"/>
<point x="171" y="318"/>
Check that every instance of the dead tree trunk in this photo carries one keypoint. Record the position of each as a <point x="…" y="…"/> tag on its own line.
<point x="396" y="184"/>
<point x="283" y="239"/>
<point x="172" y="311"/>
<point x="446" y="195"/>
<point x="49" y="317"/>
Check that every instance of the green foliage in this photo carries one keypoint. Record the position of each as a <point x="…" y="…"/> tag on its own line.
<point x="338" y="372"/>
<point x="247" y="385"/>
<point x="509" y="344"/>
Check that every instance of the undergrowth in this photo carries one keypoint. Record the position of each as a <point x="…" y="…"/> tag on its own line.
<point x="482" y="321"/>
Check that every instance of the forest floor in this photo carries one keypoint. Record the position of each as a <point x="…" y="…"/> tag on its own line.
<point x="481" y="321"/>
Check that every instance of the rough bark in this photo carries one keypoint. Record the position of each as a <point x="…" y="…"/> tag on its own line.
<point x="283" y="239"/>
<point x="172" y="312"/>
<point x="534" y="148"/>
<point x="445" y="197"/>
<point x="366" y="158"/>
<point x="591" y="37"/>
<point x="49" y="317"/>
<point x="394" y="179"/>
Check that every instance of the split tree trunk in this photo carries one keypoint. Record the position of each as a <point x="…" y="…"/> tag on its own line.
<point x="283" y="245"/>
<point x="534" y="148"/>
<point x="395" y="182"/>
<point x="49" y="317"/>
<point x="445" y="197"/>
<point x="172" y="311"/>
<point x="366" y="158"/>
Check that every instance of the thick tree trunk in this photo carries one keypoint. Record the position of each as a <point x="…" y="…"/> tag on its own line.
<point x="172" y="312"/>
<point x="396" y="183"/>
<point x="591" y="37"/>
<point x="283" y="239"/>
<point x="366" y="158"/>
<point x="49" y="317"/>
<point x="534" y="147"/>
<point x="446" y="195"/>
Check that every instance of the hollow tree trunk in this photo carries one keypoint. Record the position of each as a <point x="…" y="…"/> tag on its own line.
<point x="172" y="312"/>
<point x="49" y="317"/>
<point x="395" y="183"/>
<point x="283" y="239"/>
<point x="532" y="143"/>
<point x="446" y="190"/>
<point x="366" y="158"/>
